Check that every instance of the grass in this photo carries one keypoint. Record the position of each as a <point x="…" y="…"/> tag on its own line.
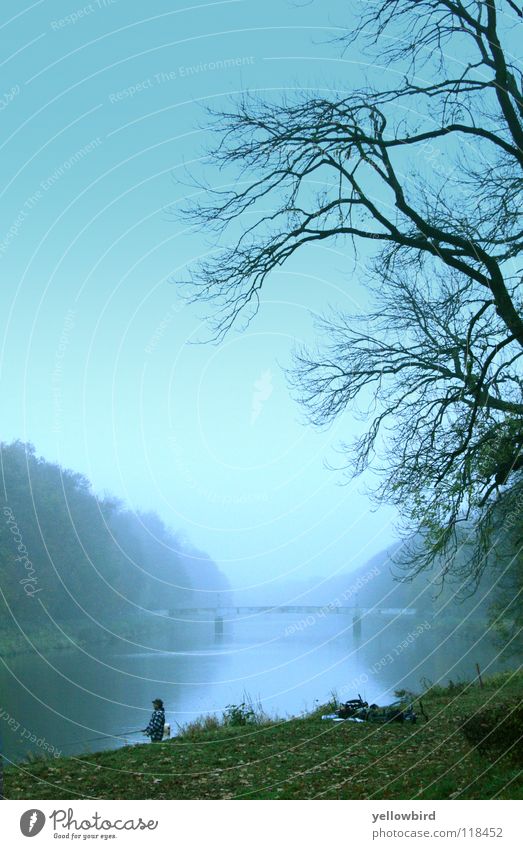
<point x="247" y="712"/>
<point x="299" y="758"/>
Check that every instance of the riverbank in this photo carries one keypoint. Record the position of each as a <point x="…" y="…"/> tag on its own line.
<point x="45" y="637"/>
<point x="307" y="758"/>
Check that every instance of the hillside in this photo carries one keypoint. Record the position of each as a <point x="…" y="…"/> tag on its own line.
<point x="67" y="555"/>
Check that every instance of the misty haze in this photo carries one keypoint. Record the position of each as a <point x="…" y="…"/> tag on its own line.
<point x="262" y="420"/>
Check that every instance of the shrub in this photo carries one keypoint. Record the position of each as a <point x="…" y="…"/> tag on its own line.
<point x="453" y="688"/>
<point x="241" y="714"/>
<point x="457" y="687"/>
<point x="497" y="730"/>
<point x="198" y="726"/>
<point x="407" y="695"/>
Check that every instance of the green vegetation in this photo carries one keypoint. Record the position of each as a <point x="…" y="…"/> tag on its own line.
<point x="234" y="716"/>
<point x="497" y="729"/>
<point x="70" y="557"/>
<point x="303" y="758"/>
<point x="47" y="638"/>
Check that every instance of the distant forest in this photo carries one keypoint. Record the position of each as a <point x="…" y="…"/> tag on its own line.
<point x="68" y="555"/>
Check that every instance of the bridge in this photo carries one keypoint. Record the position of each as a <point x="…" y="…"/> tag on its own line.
<point x="221" y="613"/>
<point x="314" y="609"/>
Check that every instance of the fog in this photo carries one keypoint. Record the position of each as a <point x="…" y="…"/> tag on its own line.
<point x="100" y="358"/>
<point x="108" y="371"/>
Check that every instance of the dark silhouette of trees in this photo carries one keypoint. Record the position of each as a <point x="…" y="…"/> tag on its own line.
<point x="424" y="164"/>
<point x="68" y="556"/>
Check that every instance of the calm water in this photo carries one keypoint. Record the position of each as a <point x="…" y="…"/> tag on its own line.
<point x="67" y="698"/>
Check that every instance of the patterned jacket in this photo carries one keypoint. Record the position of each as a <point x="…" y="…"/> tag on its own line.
<point x="155" y="728"/>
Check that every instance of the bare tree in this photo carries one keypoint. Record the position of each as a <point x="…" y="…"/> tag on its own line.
<point x="428" y="171"/>
<point x="435" y="377"/>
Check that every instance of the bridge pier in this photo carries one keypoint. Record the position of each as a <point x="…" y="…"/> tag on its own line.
<point x="356" y="625"/>
<point x="218" y="626"/>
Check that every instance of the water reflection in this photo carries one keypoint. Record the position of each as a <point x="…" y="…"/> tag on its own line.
<point x="70" y="699"/>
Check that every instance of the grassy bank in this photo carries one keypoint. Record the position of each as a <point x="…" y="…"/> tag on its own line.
<point x="302" y="758"/>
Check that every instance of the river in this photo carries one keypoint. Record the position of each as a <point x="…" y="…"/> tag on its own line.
<point x="71" y="699"/>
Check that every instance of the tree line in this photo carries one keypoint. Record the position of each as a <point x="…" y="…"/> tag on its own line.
<point x="66" y="554"/>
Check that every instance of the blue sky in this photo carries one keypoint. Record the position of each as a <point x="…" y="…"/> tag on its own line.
<point x="102" y="112"/>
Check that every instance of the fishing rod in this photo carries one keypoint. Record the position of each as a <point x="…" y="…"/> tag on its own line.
<point x="122" y="735"/>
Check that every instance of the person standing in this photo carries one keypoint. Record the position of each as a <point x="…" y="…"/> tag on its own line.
<point x="156" y="723"/>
